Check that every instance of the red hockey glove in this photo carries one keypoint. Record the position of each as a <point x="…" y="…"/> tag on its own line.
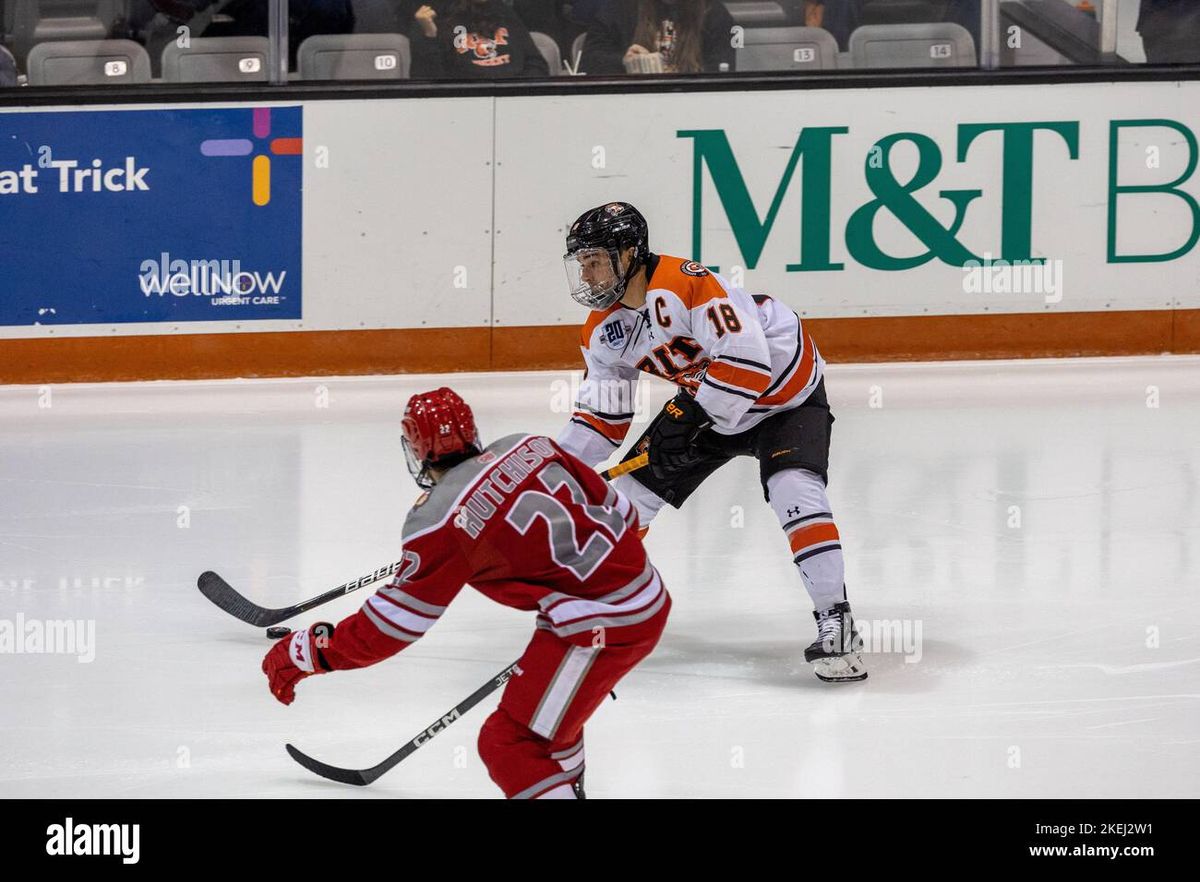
<point x="674" y="436"/>
<point x="295" y="657"/>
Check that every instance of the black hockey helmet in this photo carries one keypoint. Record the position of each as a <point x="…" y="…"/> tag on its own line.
<point x="594" y="245"/>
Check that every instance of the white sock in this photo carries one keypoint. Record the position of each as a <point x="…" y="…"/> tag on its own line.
<point x="799" y="500"/>
<point x="645" y="500"/>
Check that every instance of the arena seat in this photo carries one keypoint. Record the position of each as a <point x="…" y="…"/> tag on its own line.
<point x="87" y="62"/>
<point x="933" y="44"/>
<point x="757" y="14"/>
<point x="355" y="57"/>
<point x="549" y="49"/>
<point x="217" y="60"/>
<point x="795" y="49"/>
<point x="29" y="22"/>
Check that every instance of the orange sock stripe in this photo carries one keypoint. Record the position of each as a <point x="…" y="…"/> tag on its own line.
<point x="803" y="537"/>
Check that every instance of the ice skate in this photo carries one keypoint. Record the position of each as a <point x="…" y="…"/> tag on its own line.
<point x="836" y="654"/>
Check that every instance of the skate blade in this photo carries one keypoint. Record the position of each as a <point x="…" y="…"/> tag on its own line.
<point x="846" y="668"/>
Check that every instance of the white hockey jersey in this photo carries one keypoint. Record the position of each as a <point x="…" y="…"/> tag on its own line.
<point x="744" y="356"/>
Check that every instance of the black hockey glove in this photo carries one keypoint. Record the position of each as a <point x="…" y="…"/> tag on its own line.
<point x="675" y="436"/>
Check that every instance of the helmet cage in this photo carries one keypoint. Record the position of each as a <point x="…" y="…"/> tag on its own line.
<point x="594" y="276"/>
<point x="596" y="281"/>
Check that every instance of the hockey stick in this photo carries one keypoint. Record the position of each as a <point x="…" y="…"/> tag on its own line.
<point x="227" y="598"/>
<point x="624" y="468"/>
<point x="362" y="777"/>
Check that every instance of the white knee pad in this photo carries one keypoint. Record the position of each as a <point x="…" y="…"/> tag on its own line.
<point x="645" y="500"/>
<point x="796" y="493"/>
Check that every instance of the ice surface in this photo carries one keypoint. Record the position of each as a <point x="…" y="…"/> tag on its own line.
<point x="1031" y="528"/>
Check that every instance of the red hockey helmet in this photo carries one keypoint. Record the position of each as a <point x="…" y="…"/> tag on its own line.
<point x="439" y="432"/>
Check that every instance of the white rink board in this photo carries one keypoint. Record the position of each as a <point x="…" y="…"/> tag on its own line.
<point x="648" y="163"/>
<point x="399" y="214"/>
<point x="400" y="195"/>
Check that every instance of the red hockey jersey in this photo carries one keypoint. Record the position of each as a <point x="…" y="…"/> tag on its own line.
<point x="525" y="524"/>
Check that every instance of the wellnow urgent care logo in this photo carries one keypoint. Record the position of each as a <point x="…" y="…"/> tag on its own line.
<point x="901" y="197"/>
<point x="225" y="281"/>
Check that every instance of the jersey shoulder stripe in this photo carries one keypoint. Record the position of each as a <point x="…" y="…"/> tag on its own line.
<point x="799" y="379"/>
<point x="447" y="495"/>
<point x="689" y="281"/>
<point x="755" y="381"/>
<point x="708" y="381"/>
<point x="613" y="434"/>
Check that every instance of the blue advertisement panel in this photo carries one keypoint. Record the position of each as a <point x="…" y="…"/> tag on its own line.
<point x="183" y="215"/>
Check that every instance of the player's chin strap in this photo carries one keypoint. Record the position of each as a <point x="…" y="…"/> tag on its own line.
<point x="643" y="323"/>
<point x="643" y="318"/>
<point x="634" y="265"/>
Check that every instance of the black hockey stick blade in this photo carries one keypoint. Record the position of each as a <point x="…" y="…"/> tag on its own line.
<point x="362" y="777"/>
<point x="227" y="598"/>
<point x="333" y="773"/>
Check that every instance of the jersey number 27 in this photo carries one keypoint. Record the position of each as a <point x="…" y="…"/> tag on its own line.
<point x="564" y="540"/>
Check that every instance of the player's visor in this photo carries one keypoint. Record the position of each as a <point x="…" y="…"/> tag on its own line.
<point x="592" y="278"/>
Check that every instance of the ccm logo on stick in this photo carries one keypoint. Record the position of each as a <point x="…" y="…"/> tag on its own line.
<point x="437" y="727"/>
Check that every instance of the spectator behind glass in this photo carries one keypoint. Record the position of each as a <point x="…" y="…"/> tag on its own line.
<point x="967" y="13"/>
<point x="1170" y="30"/>
<point x="156" y="23"/>
<point x="473" y="39"/>
<point x="583" y="11"/>
<point x="548" y="17"/>
<point x="306" y="18"/>
<point x="841" y="17"/>
<point x="8" y="68"/>
<point x="659" y="36"/>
